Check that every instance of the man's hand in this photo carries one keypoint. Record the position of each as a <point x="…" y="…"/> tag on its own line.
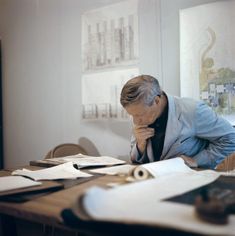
<point x="142" y="134"/>
<point x="189" y="161"/>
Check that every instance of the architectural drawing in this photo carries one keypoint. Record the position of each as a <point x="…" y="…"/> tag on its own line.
<point x="101" y="94"/>
<point x="208" y="55"/>
<point x="110" y="36"/>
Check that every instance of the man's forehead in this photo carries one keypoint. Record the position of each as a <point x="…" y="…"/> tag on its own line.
<point x="138" y="107"/>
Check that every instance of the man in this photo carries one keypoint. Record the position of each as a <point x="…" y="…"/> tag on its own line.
<point x="167" y="127"/>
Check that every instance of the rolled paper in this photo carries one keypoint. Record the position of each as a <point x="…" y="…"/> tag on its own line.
<point x="139" y="173"/>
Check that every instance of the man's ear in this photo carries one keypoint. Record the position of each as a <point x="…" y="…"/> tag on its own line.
<point x="157" y="100"/>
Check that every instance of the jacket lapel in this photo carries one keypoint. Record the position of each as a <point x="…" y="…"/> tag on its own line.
<point x="173" y="128"/>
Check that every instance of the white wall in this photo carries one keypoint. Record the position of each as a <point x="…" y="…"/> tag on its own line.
<point x="42" y="73"/>
<point x="170" y="41"/>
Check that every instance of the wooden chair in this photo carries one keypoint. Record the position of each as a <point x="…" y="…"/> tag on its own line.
<point x="65" y="149"/>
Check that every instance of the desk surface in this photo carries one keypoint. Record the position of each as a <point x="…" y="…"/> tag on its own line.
<point x="47" y="209"/>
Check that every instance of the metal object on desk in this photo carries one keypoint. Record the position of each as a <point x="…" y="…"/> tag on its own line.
<point x="214" y="205"/>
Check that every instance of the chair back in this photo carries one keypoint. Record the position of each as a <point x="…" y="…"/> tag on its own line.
<point x="65" y="149"/>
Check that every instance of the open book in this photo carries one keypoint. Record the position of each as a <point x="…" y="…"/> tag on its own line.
<point x="142" y="201"/>
<point x="80" y="160"/>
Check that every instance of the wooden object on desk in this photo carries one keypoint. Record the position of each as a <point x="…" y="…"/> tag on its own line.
<point x="227" y="164"/>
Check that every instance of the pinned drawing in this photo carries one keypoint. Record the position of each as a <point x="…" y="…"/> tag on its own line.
<point x="208" y="55"/>
<point x="110" y="54"/>
<point x="101" y="94"/>
<point x="110" y="36"/>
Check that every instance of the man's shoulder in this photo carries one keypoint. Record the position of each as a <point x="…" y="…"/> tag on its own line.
<point x="185" y="103"/>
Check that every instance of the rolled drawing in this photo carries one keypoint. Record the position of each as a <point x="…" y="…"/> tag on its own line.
<point x="139" y="173"/>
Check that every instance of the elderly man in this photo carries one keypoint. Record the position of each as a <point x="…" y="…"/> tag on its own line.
<point x="167" y="127"/>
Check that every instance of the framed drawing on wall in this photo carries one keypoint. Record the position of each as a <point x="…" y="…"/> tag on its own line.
<point x="207" y="55"/>
<point x="110" y="36"/>
<point x="110" y="57"/>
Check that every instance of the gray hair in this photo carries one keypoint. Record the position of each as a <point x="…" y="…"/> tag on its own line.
<point x="141" y="88"/>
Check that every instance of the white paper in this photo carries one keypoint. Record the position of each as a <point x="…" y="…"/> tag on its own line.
<point x="160" y="168"/>
<point x="168" y="214"/>
<point x="144" y="192"/>
<point x="16" y="182"/>
<point x="129" y="202"/>
<point x="141" y="202"/>
<point x="114" y="170"/>
<point x="228" y="173"/>
<point x="167" y="167"/>
<point x="63" y="171"/>
<point x="86" y="161"/>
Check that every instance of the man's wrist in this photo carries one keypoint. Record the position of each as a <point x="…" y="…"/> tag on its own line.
<point x="141" y="148"/>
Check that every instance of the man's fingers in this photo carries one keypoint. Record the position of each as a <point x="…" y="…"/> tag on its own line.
<point x="143" y="129"/>
<point x="145" y="135"/>
<point x="145" y="132"/>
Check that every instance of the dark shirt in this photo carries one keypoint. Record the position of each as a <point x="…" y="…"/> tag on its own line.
<point x="157" y="140"/>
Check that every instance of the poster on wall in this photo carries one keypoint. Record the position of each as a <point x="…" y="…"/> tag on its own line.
<point x="207" y="55"/>
<point x="101" y="94"/>
<point x="110" y="36"/>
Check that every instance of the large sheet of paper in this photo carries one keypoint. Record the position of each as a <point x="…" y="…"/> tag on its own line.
<point x="141" y="202"/>
<point x="160" y="168"/>
<point x="155" y="169"/>
<point x="16" y="182"/>
<point x="63" y="171"/>
<point x="85" y="161"/>
<point x="114" y="170"/>
<point x="165" y="214"/>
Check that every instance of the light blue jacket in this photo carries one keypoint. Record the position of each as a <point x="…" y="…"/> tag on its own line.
<point x="195" y="130"/>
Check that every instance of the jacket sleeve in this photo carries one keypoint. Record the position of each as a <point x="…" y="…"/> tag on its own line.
<point x="219" y="133"/>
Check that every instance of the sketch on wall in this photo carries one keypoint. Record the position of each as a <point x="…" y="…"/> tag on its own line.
<point x="110" y="36"/>
<point x="207" y="55"/>
<point x="101" y="94"/>
<point x="110" y="54"/>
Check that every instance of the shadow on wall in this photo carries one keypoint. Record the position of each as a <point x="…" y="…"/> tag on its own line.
<point x="88" y="146"/>
<point x="122" y="129"/>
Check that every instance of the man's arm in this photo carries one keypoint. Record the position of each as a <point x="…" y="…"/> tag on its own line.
<point x="139" y="143"/>
<point x="219" y="133"/>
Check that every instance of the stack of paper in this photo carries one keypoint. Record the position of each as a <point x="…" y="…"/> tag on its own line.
<point x="63" y="171"/>
<point x="16" y="182"/>
<point x="84" y="161"/>
<point x="80" y="160"/>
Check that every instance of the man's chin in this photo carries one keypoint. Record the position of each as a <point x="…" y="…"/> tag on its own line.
<point x="142" y="125"/>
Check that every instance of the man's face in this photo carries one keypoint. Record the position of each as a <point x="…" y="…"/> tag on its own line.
<point x="143" y="114"/>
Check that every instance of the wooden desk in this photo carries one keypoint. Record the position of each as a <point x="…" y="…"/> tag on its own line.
<point x="42" y="216"/>
<point x="46" y="210"/>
